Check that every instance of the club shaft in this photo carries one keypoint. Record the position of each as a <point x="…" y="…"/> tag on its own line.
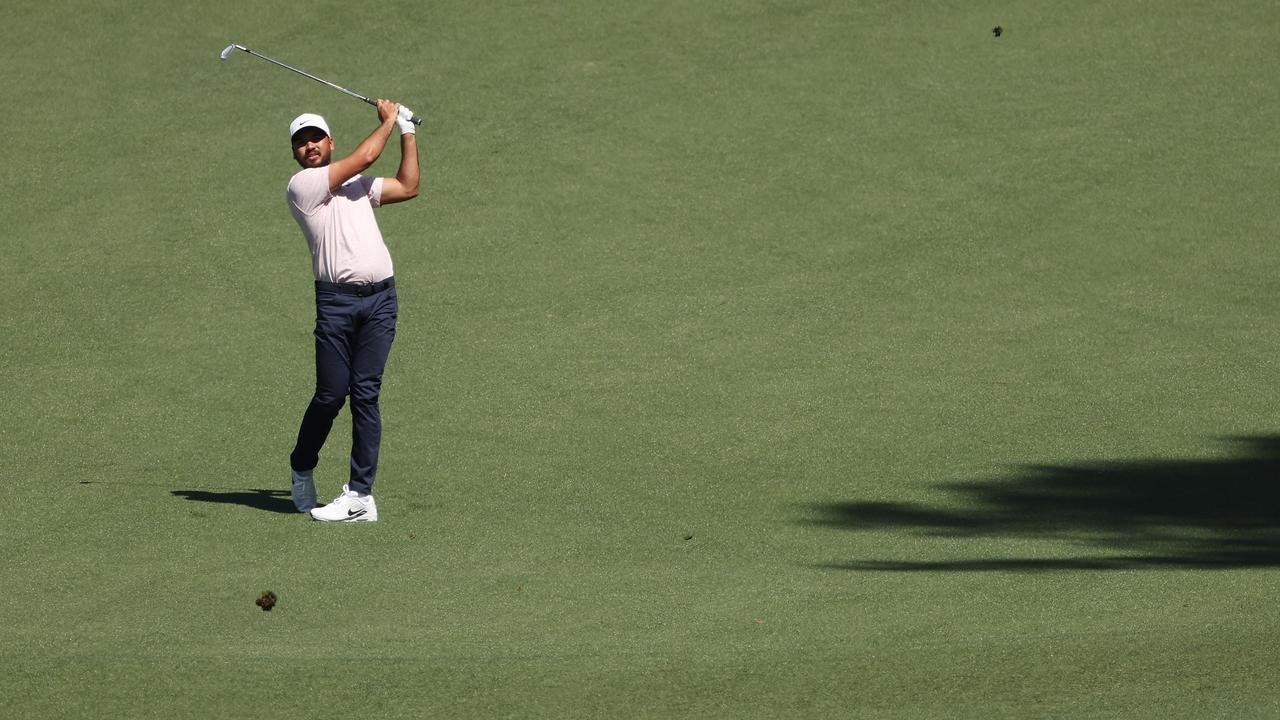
<point x="415" y="119"/>
<point x="304" y="73"/>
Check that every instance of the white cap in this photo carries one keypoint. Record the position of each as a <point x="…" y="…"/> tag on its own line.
<point x="306" y="120"/>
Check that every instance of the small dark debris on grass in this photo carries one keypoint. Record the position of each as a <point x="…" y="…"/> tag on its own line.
<point x="997" y="31"/>
<point x="266" y="601"/>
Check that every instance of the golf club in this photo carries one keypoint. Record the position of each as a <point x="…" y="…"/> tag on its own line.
<point x="226" y="53"/>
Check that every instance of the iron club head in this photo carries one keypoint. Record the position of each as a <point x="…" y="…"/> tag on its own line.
<point x="226" y="52"/>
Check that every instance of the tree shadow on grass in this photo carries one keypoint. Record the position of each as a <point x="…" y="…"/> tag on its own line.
<point x="1197" y="513"/>
<point x="277" y="501"/>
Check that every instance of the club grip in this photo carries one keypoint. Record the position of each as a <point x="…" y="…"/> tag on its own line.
<point x="415" y="119"/>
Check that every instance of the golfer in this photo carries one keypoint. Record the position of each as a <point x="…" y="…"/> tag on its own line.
<point x="355" y="297"/>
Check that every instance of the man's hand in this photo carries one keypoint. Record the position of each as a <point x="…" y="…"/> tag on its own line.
<point x="388" y="110"/>
<point x="404" y="121"/>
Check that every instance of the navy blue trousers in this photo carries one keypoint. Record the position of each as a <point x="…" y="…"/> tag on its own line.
<point x="355" y="325"/>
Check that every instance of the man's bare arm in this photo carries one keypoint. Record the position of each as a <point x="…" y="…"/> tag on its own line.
<point x="404" y="186"/>
<point x="369" y="149"/>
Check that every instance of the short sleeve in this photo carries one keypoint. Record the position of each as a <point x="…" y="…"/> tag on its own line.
<point x="375" y="192"/>
<point x="309" y="189"/>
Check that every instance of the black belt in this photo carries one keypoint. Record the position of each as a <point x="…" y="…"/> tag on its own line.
<point x="360" y="289"/>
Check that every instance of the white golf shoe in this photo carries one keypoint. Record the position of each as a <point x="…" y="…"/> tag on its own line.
<point x="303" y="490"/>
<point x="350" y="506"/>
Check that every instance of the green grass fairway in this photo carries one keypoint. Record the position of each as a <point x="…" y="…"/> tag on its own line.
<point x="756" y="359"/>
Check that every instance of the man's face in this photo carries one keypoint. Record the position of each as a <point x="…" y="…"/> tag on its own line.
<point x="312" y="148"/>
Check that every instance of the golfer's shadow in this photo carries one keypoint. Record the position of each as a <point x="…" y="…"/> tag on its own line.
<point x="277" y="501"/>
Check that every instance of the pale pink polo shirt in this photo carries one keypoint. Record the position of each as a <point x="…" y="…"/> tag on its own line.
<point x="346" y="245"/>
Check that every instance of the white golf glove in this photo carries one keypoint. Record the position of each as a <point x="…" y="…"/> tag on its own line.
<point x="402" y="121"/>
